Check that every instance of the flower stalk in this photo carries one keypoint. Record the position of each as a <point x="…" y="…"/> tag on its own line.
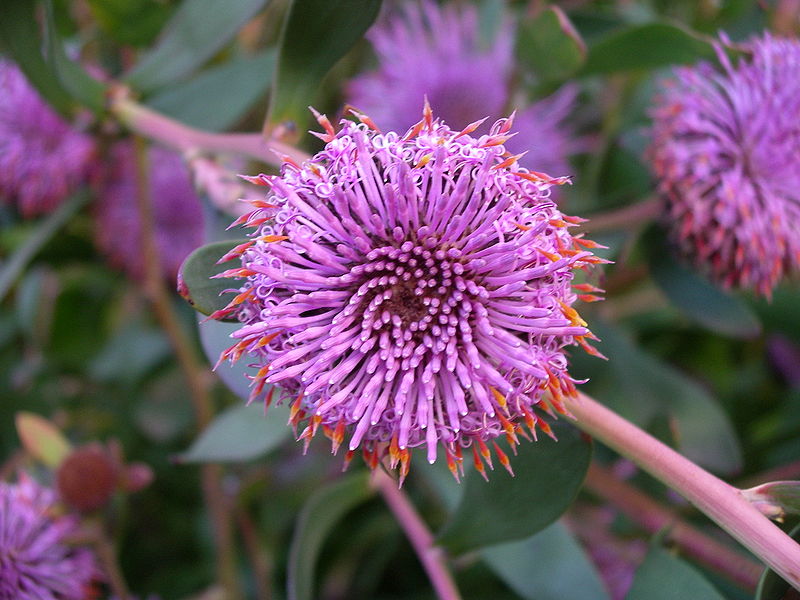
<point x="721" y="502"/>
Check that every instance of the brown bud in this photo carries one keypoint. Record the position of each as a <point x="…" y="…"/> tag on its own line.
<point x="87" y="478"/>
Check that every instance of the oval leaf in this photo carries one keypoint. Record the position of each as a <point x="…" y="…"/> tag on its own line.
<point x="550" y="565"/>
<point x="548" y="477"/>
<point x="42" y="439"/>
<point x="323" y="510"/>
<point x="240" y="433"/>
<point x="194" y="277"/>
<point x="665" y="577"/>
<point x="316" y="34"/>
<point x="197" y="30"/>
<point x="772" y="586"/>
<point x="550" y="46"/>
<point x="648" y="46"/>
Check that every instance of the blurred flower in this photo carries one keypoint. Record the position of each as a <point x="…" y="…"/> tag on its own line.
<point x="178" y="212"/>
<point x="36" y="560"/>
<point x="410" y="291"/>
<point x="87" y="478"/>
<point x="436" y="51"/>
<point x="42" y="158"/>
<point x="726" y="151"/>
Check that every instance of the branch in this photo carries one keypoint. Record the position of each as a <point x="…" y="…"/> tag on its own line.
<point x="721" y="502"/>
<point x="624" y="218"/>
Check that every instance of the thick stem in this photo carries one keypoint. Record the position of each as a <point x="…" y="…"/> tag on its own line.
<point x="653" y="517"/>
<point x="432" y="557"/>
<point x="196" y="379"/>
<point x="721" y="502"/>
<point x="624" y="218"/>
<point x="153" y="125"/>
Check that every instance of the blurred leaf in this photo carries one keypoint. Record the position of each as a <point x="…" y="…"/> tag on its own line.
<point x="239" y="434"/>
<point x="316" y="34"/>
<point x="772" y="586"/>
<point x="197" y="30"/>
<point x="82" y="86"/>
<point x="665" y="577"/>
<point x="41" y="439"/>
<point x="45" y="230"/>
<point x="550" y="565"/>
<point x="697" y="298"/>
<point x="623" y="177"/>
<point x="134" y="22"/>
<point x="227" y="92"/>
<point x="323" y="510"/>
<point x="19" y="35"/>
<point x="130" y="354"/>
<point x="775" y="499"/>
<point x="199" y="290"/>
<point x="550" y="46"/>
<point x="215" y="337"/>
<point x="648" y="46"/>
<point x="652" y="388"/>
<point x="548" y="477"/>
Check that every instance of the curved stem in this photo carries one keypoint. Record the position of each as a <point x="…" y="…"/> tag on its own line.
<point x="623" y="218"/>
<point x="653" y="517"/>
<point x="431" y="556"/>
<point x="169" y="132"/>
<point x="721" y="502"/>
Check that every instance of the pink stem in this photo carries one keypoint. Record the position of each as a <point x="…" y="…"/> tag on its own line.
<point x="431" y="556"/>
<point x="721" y="502"/>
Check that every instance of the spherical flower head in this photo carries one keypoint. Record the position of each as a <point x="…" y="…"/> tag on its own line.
<point x="42" y="158"/>
<point x="410" y="290"/>
<point x="36" y="560"/>
<point x="178" y="212"/>
<point x="726" y="151"/>
<point x="434" y="51"/>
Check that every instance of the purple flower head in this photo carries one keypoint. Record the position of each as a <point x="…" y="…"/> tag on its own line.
<point x="178" y="212"/>
<point x="434" y="51"/>
<point x="36" y="560"/>
<point x="410" y="290"/>
<point x="726" y="150"/>
<point x="42" y="158"/>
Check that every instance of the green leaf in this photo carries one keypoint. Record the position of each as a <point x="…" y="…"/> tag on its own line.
<point x="323" y="510"/>
<point x="548" y="477"/>
<point x="227" y="92"/>
<point x="134" y="22"/>
<point x="772" y="586"/>
<point x="81" y="86"/>
<point x="648" y="46"/>
<point x="316" y="34"/>
<point x="42" y="439"/>
<point x="649" y="388"/>
<point x="197" y="30"/>
<point x="239" y="434"/>
<point x="550" y="565"/>
<point x="664" y="577"/>
<point x="194" y="277"/>
<point x="19" y="34"/>
<point x="216" y="337"/>
<point x="697" y="298"/>
<point x="550" y="46"/>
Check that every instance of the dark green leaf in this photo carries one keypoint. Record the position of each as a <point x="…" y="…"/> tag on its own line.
<point x="81" y="86"/>
<point x="194" y="277"/>
<point x="772" y="586"/>
<point x="550" y="46"/>
<point x="225" y="93"/>
<point x="197" y="30"/>
<point x="215" y="337"/>
<point x="135" y="22"/>
<point x="240" y="433"/>
<point x="550" y="565"/>
<point x="548" y="476"/>
<point x="665" y="577"/>
<point x="19" y="34"/>
<point x="648" y="46"/>
<point x="323" y="510"/>
<point x="649" y="388"/>
<point x="316" y="34"/>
